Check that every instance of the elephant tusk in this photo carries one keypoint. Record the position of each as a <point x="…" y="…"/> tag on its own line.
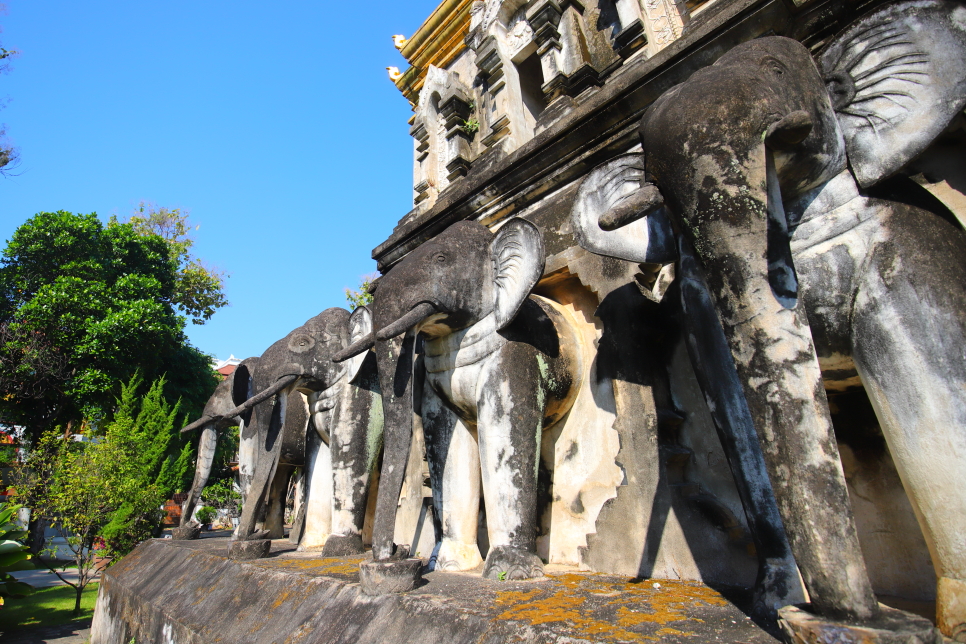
<point x="641" y="204"/>
<point x="362" y="344"/>
<point x="417" y="314"/>
<point x="279" y="384"/>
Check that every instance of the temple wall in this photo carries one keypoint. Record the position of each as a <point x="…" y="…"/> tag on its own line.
<point x="637" y="481"/>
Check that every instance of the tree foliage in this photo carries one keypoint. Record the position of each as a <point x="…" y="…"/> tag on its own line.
<point x="75" y="486"/>
<point x="84" y="306"/>
<point x="362" y="296"/>
<point x="158" y="459"/>
<point x="103" y="493"/>
<point x="198" y="289"/>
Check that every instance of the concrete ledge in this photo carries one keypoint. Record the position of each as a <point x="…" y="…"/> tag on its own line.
<point x="189" y="591"/>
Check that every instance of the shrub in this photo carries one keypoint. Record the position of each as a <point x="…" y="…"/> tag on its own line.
<point x="206" y="514"/>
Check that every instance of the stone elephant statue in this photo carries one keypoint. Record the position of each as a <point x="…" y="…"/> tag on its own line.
<point x="499" y="366"/>
<point x="757" y="168"/>
<point x="296" y="388"/>
<point x="214" y="420"/>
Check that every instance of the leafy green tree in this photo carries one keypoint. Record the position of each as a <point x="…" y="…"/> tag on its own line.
<point x="103" y="494"/>
<point x="157" y="459"/>
<point x="77" y="486"/>
<point x="198" y="289"/>
<point x="362" y="296"/>
<point x="84" y="306"/>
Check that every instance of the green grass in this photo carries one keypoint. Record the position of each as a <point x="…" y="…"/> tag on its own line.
<point x="47" y="606"/>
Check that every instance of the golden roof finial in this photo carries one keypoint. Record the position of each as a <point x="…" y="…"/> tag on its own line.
<point x="394" y="73"/>
<point x="399" y="41"/>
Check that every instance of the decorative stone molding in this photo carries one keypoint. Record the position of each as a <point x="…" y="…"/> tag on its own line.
<point x="455" y="111"/>
<point x="544" y="18"/>
<point x="443" y="146"/>
<point x="489" y="62"/>
<point x="631" y="39"/>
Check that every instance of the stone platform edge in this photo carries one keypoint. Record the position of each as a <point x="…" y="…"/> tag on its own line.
<point x="163" y="592"/>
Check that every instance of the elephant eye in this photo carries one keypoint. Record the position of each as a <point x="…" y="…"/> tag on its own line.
<point x="440" y="258"/>
<point x="774" y="65"/>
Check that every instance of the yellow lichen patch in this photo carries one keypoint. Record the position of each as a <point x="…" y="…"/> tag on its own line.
<point x="515" y="596"/>
<point x="673" y="631"/>
<point x="608" y="609"/>
<point x="329" y="566"/>
<point x="281" y="599"/>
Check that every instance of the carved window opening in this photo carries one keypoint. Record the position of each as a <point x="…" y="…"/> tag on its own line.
<point x="609" y="19"/>
<point x="531" y="88"/>
<point x="622" y="21"/>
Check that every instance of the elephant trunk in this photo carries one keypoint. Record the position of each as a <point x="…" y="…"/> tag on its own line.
<point x="395" y="358"/>
<point x="742" y="240"/>
<point x="276" y="387"/>
<point x="415" y="315"/>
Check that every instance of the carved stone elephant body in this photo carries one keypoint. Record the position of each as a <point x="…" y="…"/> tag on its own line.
<point x="489" y="397"/>
<point x="341" y="457"/>
<point x="301" y="404"/>
<point x="884" y="286"/>
<point x="779" y="247"/>
<point x="499" y="367"/>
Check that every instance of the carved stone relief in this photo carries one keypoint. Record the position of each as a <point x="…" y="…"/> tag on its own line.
<point x="665" y="20"/>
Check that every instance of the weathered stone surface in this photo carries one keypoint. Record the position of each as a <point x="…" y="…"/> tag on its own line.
<point x="186" y="533"/>
<point x="246" y="550"/>
<point x="386" y="577"/>
<point x="188" y="591"/>
<point x="891" y="626"/>
<point x="338" y="545"/>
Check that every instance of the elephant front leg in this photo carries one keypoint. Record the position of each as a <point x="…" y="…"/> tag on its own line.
<point x="510" y="425"/>
<point x="275" y="513"/>
<point x="454" y="471"/>
<point x="909" y="334"/>
<point x="318" y="503"/>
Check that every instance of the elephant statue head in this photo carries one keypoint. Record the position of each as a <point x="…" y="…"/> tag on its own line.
<point x="756" y="162"/>
<point x="465" y="277"/>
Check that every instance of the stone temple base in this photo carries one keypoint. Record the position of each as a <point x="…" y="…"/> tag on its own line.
<point x="191" y="592"/>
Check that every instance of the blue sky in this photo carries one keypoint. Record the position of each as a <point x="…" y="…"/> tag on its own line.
<point x="274" y="124"/>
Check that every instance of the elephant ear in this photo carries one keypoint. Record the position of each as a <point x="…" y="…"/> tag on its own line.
<point x="616" y="192"/>
<point x="518" y="261"/>
<point x="360" y="326"/>
<point x="897" y="77"/>
<point x="241" y="381"/>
